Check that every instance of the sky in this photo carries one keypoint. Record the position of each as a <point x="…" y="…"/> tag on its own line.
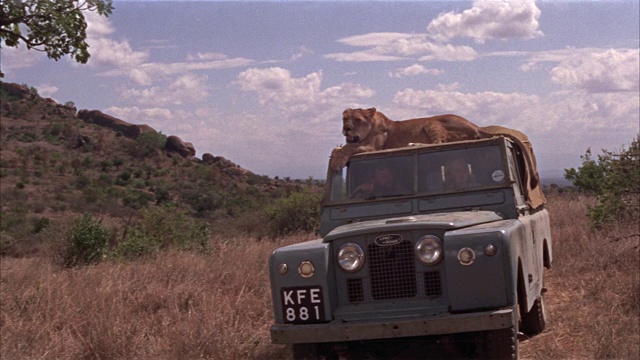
<point x="264" y="83"/>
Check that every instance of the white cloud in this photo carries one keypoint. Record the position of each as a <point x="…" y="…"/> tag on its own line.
<point x="400" y="46"/>
<point x="361" y="56"/>
<point x="606" y="71"/>
<point x="19" y="58"/>
<point x="105" y="51"/>
<point x="297" y="112"/>
<point x="374" y="39"/>
<point x="206" y="56"/>
<point x="276" y="87"/>
<point x="147" y="73"/>
<point x="414" y="70"/>
<point x="47" y="90"/>
<point x="489" y="19"/>
<point x="185" y="89"/>
<point x="135" y="115"/>
<point x="302" y="52"/>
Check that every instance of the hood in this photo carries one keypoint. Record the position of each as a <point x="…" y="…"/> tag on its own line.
<point x="446" y="221"/>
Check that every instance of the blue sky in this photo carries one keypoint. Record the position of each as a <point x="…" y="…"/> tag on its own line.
<point x="264" y="83"/>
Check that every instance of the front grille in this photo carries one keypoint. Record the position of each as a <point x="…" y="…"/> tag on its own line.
<point x="355" y="291"/>
<point x="392" y="271"/>
<point x="432" y="285"/>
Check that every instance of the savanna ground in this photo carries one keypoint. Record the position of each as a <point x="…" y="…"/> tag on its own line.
<point x="185" y="305"/>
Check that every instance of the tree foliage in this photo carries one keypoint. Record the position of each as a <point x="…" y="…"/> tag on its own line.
<point x="56" y="27"/>
<point x="615" y="180"/>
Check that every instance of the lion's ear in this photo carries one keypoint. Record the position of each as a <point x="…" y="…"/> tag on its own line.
<point x="371" y="112"/>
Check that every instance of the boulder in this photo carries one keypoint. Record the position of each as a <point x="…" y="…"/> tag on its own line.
<point x="208" y="158"/>
<point x="175" y="144"/>
<point x="16" y="90"/>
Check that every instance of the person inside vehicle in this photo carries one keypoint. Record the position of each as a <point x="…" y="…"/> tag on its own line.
<point x="458" y="175"/>
<point x="382" y="183"/>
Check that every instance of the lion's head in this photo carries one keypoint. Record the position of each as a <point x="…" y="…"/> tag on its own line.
<point x="357" y="124"/>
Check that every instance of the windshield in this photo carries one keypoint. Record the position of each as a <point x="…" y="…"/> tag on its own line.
<point x="420" y="173"/>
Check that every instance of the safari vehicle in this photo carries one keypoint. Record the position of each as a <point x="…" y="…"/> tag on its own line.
<point x="423" y="268"/>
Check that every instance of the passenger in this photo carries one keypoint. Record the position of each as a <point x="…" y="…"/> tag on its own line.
<point x="458" y="175"/>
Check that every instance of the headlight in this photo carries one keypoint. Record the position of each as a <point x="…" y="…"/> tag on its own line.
<point x="429" y="250"/>
<point x="350" y="257"/>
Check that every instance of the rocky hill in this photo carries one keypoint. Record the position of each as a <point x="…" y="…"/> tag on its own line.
<point x="57" y="163"/>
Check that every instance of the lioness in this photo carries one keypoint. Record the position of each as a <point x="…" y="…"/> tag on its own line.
<point x="369" y="130"/>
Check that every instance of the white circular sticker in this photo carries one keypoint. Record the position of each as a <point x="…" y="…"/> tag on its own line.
<point x="497" y="176"/>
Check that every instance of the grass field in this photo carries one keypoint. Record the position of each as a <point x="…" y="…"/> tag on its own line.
<point x="183" y="305"/>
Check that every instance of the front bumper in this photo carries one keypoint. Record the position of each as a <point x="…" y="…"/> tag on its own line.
<point x="337" y="331"/>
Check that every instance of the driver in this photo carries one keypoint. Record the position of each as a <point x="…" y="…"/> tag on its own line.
<point x="382" y="183"/>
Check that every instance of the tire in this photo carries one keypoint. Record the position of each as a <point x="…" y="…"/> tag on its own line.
<point x="311" y="352"/>
<point x="501" y="344"/>
<point x="534" y="321"/>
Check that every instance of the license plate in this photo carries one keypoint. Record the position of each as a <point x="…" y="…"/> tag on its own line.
<point x="302" y="304"/>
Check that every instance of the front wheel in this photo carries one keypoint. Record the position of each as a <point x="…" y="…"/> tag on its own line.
<point x="535" y="320"/>
<point x="501" y="344"/>
<point x="312" y="352"/>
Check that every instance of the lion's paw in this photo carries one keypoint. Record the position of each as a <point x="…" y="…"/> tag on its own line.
<point x="338" y="158"/>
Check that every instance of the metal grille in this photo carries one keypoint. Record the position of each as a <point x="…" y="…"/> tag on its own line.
<point x="392" y="271"/>
<point x="355" y="291"/>
<point x="432" y="285"/>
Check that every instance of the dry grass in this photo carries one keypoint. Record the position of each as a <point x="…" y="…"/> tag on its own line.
<point x="179" y="305"/>
<point x="183" y="305"/>
<point x="594" y="289"/>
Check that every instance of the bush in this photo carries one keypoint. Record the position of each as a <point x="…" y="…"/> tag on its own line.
<point x="88" y="242"/>
<point x="300" y="211"/>
<point x="39" y="224"/>
<point x="203" y="200"/>
<point x="137" y="199"/>
<point x="615" y="180"/>
<point x="161" y="228"/>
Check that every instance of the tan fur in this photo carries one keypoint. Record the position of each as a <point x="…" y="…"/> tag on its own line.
<point x="370" y="130"/>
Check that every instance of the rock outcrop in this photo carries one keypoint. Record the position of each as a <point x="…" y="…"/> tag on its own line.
<point x="99" y="118"/>
<point x="175" y="144"/>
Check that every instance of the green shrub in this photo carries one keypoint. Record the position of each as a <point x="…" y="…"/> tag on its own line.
<point x="161" y="228"/>
<point x="12" y="220"/>
<point x="153" y="139"/>
<point x="137" y="243"/>
<point x="137" y="199"/>
<point x="299" y="211"/>
<point x="203" y="201"/>
<point x="147" y="144"/>
<point x="39" y="224"/>
<point x="615" y="180"/>
<point x="88" y="242"/>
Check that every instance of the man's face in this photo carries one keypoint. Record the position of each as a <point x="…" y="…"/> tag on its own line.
<point x="382" y="176"/>
<point x="459" y="172"/>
